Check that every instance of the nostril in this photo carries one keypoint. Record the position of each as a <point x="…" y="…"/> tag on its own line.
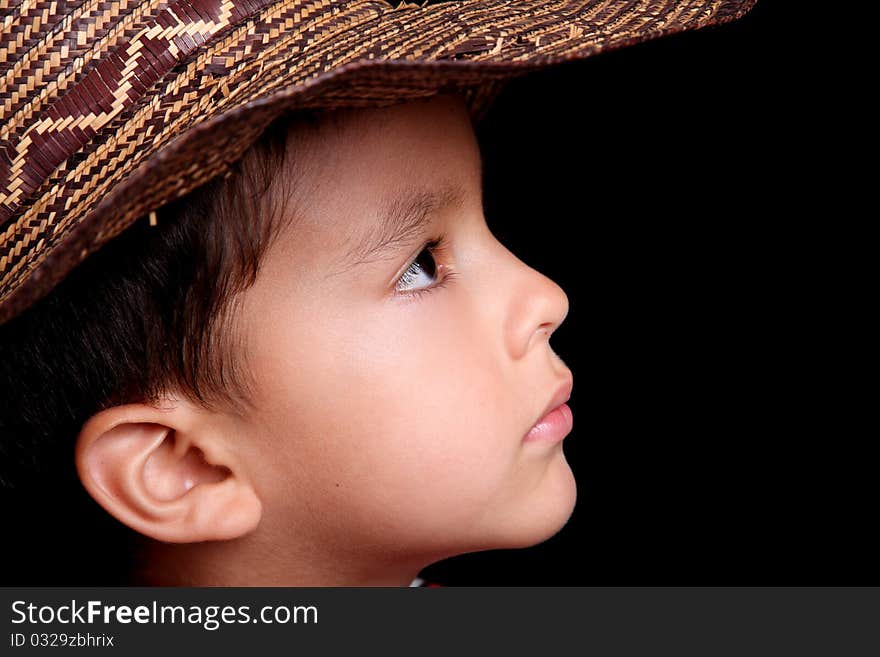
<point x="541" y="334"/>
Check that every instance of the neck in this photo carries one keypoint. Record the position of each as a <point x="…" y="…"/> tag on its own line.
<point x="244" y="562"/>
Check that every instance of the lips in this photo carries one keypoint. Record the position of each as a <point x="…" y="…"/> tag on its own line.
<point x="556" y="420"/>
<point x="562" y="395"/>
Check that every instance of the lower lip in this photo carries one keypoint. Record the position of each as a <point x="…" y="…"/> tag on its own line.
<point x="553" y="427"/>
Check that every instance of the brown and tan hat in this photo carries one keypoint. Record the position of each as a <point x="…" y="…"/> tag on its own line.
<point x="112" y="108"/>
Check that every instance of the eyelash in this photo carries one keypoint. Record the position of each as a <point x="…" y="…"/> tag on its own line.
<point x="437" y="245"/>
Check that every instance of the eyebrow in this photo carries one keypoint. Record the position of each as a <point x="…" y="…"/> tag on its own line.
<point x="401" y="218"/>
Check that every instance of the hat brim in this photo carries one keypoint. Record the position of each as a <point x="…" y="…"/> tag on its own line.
<point x="211" y="106"/>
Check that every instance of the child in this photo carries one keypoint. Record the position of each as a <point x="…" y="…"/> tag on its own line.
<point x="319" y="369"/>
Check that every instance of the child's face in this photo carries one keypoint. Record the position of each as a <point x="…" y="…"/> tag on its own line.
<point x="390" y="427"/>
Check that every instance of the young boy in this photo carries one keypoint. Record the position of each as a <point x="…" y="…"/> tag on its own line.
<point x="396" y="355"/>
<point x="321" y="369"/>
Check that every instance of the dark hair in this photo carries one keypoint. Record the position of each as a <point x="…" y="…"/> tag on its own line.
<point x="152" y="310"/>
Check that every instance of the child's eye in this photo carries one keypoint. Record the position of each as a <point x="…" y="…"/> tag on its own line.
<point x="420" y="275"/>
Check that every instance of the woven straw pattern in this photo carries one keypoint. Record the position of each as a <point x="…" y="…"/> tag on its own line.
<point x="109" y="109"/>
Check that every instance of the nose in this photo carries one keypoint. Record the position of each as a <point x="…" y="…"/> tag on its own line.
<point x="537" y="306"/>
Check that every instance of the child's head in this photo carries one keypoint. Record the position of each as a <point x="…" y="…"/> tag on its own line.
<point x="328" y="383"/>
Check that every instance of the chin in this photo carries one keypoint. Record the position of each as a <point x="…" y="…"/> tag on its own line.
<point x="542" y="512"/>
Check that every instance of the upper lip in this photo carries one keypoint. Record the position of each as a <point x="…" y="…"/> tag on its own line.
<point x="562" y="395"/>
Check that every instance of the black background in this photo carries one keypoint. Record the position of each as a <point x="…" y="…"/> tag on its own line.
<point x="677" y="191"/>
<point x="667" y="188"/>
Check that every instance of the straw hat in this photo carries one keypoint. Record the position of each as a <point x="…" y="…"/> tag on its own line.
<point x="112" y="108"/>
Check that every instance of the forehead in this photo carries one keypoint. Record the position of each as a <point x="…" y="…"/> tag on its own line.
<point x="363" y="169"/>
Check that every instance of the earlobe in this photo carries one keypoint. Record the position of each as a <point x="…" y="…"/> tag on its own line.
<point x="155" y="477"/>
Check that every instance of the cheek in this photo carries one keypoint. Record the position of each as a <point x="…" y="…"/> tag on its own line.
<point x="428" y="404"/>
<point x="399" y="423"/>
<point x="419" y="422"/>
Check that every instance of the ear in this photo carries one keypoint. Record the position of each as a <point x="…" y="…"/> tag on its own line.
<point x="166" y="473"/>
